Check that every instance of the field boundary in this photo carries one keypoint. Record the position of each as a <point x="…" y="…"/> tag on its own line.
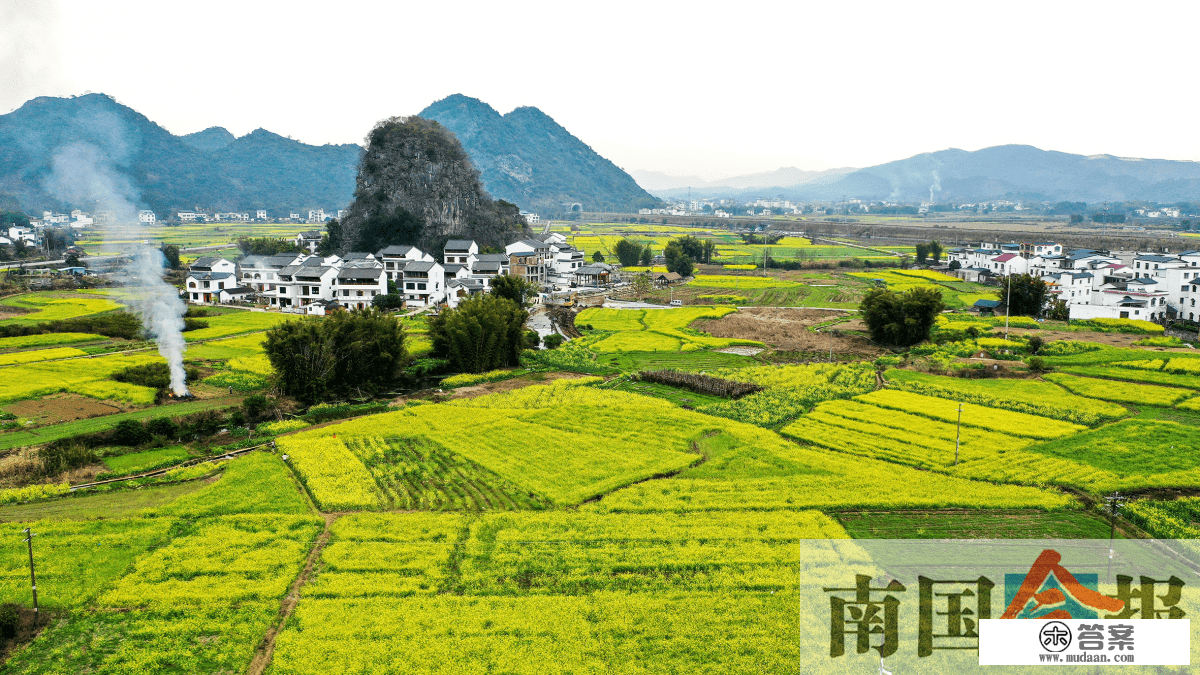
<point x="266" y="649"/>
<point x="190" y="462"/>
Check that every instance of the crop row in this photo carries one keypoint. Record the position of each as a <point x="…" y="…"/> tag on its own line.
<point x="1027" y="396"/>
<point x="790" y="390"/>
<point x="81" y="376"/>
<point x="1124" y="392"/>
<point x="946" y="410"/>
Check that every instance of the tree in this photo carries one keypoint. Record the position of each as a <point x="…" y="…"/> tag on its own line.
<point x="935" y="250"/>
<point x="955" y="265"/>
<point x="483" y="333"/>
<point x="360" y="351"/>
<point x="388" y="301"/>
<point x="331" y="241"/>
<point x="513" y="288"/>
<point x="710" y="249"/>
<point x="901" y="319"/>
<point x="1059" y="310"/>
<point x="384" y="227"/>
<point x="553" y="341"/>
<point x="171" y="253"/>
<point x="598" y="256"/>
<point x="678" y="261"/>
<point x="1027" y="297"/>
<point x="627" y="252"/>
<point x="532" y="339"/>
<point x="72" y="260"/>
<point x="647" y="257"/>
<point x="922" y="252"/>
<point x="642" y="284"/>
<point x="267" y="245"/>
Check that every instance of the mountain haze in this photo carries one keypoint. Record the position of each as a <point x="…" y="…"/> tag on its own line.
<point x="527" y="158"/>
<point x="962" y="176"/>
<point x="155" y="169"/>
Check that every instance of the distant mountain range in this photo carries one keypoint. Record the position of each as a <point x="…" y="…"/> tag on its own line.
<point x="527" y="158"/>
<point x="667" y="186"/>
<point x="151" y="168"/>
<point x="961" y="176"/>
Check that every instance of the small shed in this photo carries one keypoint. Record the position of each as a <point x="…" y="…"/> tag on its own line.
<point x="990" y="307"/>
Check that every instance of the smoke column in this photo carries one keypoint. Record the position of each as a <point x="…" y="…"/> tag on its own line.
<point x="85" y="175"/>
<point x="161" y="310"/>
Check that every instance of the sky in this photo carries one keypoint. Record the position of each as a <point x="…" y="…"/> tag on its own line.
<point x="697" y="88"/>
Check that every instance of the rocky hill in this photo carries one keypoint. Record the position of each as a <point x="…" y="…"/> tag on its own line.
<point x="44" y="142"/>
<point x="527" y="158"/>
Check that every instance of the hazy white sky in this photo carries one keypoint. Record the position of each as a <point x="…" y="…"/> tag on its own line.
<point x="707" y="88"/>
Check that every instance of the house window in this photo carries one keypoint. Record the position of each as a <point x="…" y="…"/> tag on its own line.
<point x="421" y="287"/>
<point x="192" y="285"/>
<point x="345" y="292"/>
<point x="360" y="293"/>
<point x="410" y="286"/>
<point x="196" y="296"/>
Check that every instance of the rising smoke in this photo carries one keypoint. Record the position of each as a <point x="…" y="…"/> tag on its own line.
<point x="936" y="186"/>
<point x="86" y="175"/>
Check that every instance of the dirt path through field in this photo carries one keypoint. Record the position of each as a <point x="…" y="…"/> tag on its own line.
<point x="262" y="657"/>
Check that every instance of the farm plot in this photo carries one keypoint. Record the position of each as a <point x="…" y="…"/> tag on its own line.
<point x="80" y="376"/>
<point x="237" y="322"/>
<point x="76" y="560"/>
<point x="945" y="410"/>
<point x="790" y="390"/>
<point x="1152" y="374"/>
<point x="896" y="436"/>
<point x="1137" y="394"/>
<point x="48" y="340"/>
<point x="751" y="468"/>
<point x="564" y="441"/>
<point x="655" y="330"/>
<point x="419" y="474"/>
<point x="216" y="577"/>
<point x="1027" y="396"/>
<point x="955" y="293"/>
<point x="553" y="592"/>
<point x="53" y="307"/>
<point x="34" y="355"/>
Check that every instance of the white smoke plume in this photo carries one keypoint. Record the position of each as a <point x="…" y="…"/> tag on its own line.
<point x="85" y="175"/>
<point x="937" y="185"/>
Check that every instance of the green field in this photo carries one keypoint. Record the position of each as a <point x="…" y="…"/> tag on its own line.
<point x="575" y="525"/>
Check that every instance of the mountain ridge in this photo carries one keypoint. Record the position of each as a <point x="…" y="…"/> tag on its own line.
<point x="960" y="175"/>
<point x="527" y="158"/>
<point x="48" y="141"/>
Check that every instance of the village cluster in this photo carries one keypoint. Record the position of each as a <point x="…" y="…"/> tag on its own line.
<point x="309" y="283"/>
<point x="1094" y="284"/>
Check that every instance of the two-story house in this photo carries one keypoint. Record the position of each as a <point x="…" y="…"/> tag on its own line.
<point x="461" y="252"/>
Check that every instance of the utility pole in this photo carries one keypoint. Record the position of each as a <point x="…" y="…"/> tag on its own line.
<point x="958" y="433"/>
<point x="32" y="577"/>
<point x="1007" y="304"/>
<point x="1114" y="502"/>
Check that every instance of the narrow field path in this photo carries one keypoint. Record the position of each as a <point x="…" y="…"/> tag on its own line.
<point x="262" y="657"/>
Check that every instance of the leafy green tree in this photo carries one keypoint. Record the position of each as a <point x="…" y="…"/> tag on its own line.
<point x="171" y="253"/>
<point x="331" y="241"/>
<point x="901" y="319"/>
<point x="1027" y="297"/>
<point x="598" y="257"/>
<point x="513" y="288"/>
<point x="1059" y="310"/>
<point x="389" y="301"/>
<point x="628" y="252"/>
<point x="553" y="341"/>
<point x="678" y="261"/>
<point x="532" y="339"/>
<point x="647" y="258"/>
<point x="266" y="245"/>
<point x="922" y="253"/>
<point x="483" y="333"/>
<point x="361" y="352"/>
<point x="935" y="250"/>
<point x="383" y="227"/>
